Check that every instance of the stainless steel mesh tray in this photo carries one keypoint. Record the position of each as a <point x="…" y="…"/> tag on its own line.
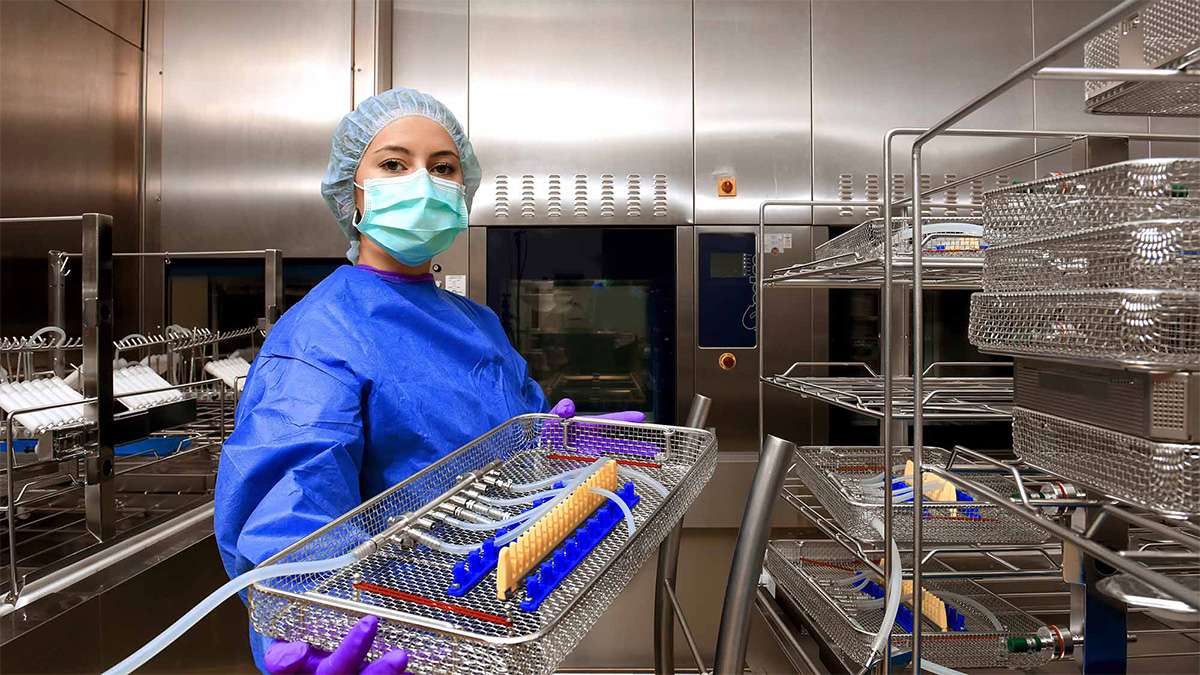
<point x="1143" y="254"/>
<point x="1160" y="476"/>
<point x="477" y="632"/>
<point x="1162" y="36"/>
<point x="834" y="475"/>
<point x="1130" y="327"/>
<point x="1142" y="189"/>
<point x="807" y="571"/>
<point x="941" y="236"/>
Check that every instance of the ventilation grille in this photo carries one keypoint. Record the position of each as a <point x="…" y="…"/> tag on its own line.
<point x="951" y="196"/>
<point x="607" y="201"/>
<point x="1168" y="410"/>
<point x="501" y="201"/>
<point x="527" y="210"/>
<point x="873" y="194"/>
<point x="568" y="197"/>
<point x="581" y="196"/>
<point x="633" y="196"/>
<point x="660" y="195"/>
<point x="554" y="196"/>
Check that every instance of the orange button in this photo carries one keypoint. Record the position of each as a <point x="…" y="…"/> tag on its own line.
<point x="726" y="186"/>
<point x="727" y="361"/>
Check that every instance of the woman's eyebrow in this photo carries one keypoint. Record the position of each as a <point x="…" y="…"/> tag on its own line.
<point x="393" y="148"/>
<point x="441" y="153"/>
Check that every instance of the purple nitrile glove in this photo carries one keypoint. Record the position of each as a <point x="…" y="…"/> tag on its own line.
<point x="301" y="657"/>
<point x="566" y="409"/>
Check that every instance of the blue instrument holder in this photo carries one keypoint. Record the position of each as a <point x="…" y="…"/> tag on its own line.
<point x="541" y="582"/>
<point x="469" y="571"/>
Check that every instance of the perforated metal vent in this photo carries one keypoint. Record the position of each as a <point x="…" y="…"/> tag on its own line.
<point x="633" y="192"/>
<point x="660" y="195"/>
<point x="1168" y="409"/>
<point x="950" y="196"/>
<point x="873" y="194"/>
<point x="554" y="196"/>
<point x="501" y="201"/>
<point x="581" y="196"/>
<point x="607" y="200"/>
<point x="577" y="198"/>
<point x="527" y="197"/>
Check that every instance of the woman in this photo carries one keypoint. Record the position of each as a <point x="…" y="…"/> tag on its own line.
<point x="377" y="372"/>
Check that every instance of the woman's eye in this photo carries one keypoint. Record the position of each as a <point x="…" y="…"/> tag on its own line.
<point x="444" y="169"/>
<point x="392" y="165"/>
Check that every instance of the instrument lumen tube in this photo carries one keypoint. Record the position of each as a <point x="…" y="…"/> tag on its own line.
<point x="516" y="501"/>
<point x="987" y="613"/>
<point x="638" y="475"/>
<point x="583" y="475"/>
<point x="489" y="525"/>
<point x="228" y="590"/>
<point x="612" y="496"/>
<point x="545" y="482"/>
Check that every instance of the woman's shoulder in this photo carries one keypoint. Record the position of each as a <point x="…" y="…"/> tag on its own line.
<point x="479" y="313"/>
<point x="327" y="312"/>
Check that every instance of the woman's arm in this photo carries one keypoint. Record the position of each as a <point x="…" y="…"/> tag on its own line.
<point x="292" y="462"/>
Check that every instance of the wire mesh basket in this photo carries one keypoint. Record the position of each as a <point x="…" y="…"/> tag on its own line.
<point x="406" y="585"/>
<point x="1142" y="189"/>
<point x="1127" y="326"/>
<point x="835" y="475"/>
<point x="1162" y="35"/>
<point x="1143" y="254"/>
<point x="1160" y="476"/>
<point x="942" y="236"/>
<point x="809" y="573"/>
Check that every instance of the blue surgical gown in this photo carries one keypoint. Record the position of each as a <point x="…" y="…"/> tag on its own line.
<point x="362" y="383"/>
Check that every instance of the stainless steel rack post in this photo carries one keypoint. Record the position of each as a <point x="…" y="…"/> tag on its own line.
<point x="1106" y="659"/>
<point x="666" y="607"/>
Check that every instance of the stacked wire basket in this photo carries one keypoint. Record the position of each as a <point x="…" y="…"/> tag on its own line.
<point x="942" y="236"/>
<point x="1164" y="34"/>
<point x="816" y="576"/>
<point x="1101" y="269"/>
<point x="405" y="581"/>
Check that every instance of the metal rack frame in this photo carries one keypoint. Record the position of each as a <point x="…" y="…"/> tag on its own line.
<point x="82" y="459"/>
<point x="887" y="274"/>
<point x="951" y="399"/>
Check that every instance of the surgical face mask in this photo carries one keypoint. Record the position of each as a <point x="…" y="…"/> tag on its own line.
<point x="413" y="217"/>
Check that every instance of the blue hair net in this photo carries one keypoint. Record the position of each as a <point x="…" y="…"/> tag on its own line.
<point x="355" y="132"/>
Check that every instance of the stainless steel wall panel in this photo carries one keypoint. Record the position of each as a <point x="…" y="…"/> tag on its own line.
<point x="429" y="53"/>
<point x="121" y="17"/>
<point x="372" y="48"/>
<point x="429" y="50"/>
<point x="1174" y="125"/>
<point x="1059" y="104"/>
<point x="581" y="112"/>
<point x="752" y="101"/>
<point x="68" y="145"/>
<point x="251" y="94"/>
<point x="884" y="64"/>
